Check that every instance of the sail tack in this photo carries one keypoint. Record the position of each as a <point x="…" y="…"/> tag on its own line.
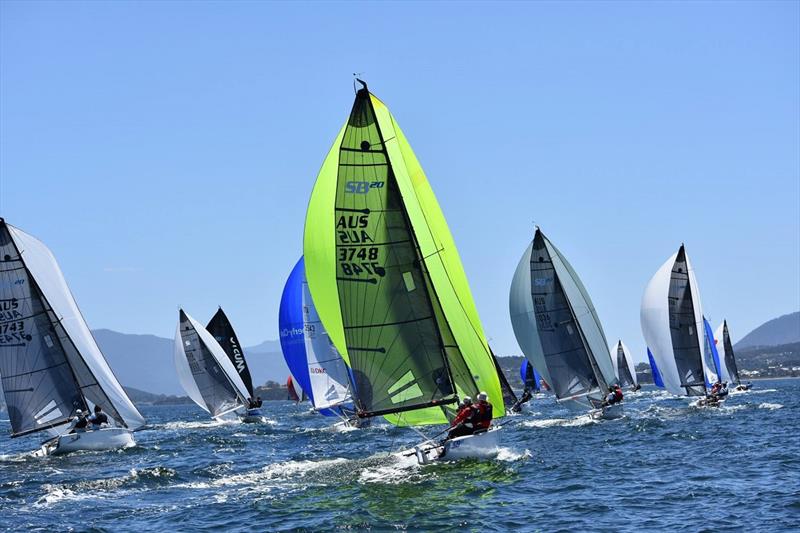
<point x="49" y="362"/>
<point x="386" y="279"/>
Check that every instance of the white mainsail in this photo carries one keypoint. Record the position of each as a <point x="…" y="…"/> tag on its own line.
<point x="67" y="339"/>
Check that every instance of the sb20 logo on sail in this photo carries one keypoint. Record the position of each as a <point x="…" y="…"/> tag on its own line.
<point x="361" y="187"/>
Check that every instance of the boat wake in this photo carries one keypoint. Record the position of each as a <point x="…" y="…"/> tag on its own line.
<point x="583" y="420"/>
<point x="770" y="406"/>
<point x="199" y="424"/>
<point x="109" y="487"/>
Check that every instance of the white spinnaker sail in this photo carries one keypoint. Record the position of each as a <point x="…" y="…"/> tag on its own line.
<point x="523" y="316"/>
<point x="185" y="372"/>
<point x="327" y="372"/>
<point x="626" y="354"/>
<point x="655" y="321"/>
<point x="725" y="374"/>
<point x="45" y="270"/>
<point x="219" y="356"/>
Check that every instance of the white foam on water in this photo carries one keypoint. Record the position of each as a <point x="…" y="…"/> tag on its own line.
<point x="770" y="406"/>
<point x="198" y="424"/>
<point x="275" y="472"/>
<point x="511" y="455"/>
<point x="582" y="420"/>
<point x="397" y="471"/>
<point x="759" y="391"/>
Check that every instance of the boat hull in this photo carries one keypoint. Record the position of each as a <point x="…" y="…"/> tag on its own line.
<point x="253" y="416"/>
<point x="94" y="440"/>
<point x="484" y="445"/>
<point x="609" y="412"/>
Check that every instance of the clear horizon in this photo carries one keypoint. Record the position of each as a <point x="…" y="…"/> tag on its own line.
<point x="165" y="152"/>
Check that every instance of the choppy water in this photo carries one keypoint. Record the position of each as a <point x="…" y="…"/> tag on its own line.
<point x="664" y="466"/>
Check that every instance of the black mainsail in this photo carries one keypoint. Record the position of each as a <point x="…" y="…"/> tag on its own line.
<point x="221" y="329"/>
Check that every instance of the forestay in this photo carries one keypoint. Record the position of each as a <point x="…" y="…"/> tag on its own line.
<point x="386" y="279"/>
<point x="49" y="361"/>
<point x="204" y="370"/>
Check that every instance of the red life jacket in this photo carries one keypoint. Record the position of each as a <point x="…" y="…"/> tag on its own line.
<point x="483" y="415"/>
<point x="618" y="394"/>
<point x="465" y="415"/>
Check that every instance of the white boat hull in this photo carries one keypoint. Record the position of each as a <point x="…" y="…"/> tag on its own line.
<point x="253" y="416"/>
<point x="93" y="440"/>
<point x="610" y="412"/>
<point x="484" y="445"/>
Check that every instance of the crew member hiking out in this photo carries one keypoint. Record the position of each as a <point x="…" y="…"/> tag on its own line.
<point x="463" y="423"/>
<point x="98" y="418"/>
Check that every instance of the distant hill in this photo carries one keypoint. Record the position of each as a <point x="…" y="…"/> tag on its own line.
<point x="778" y="331"/>
<point x="145" y="362"/>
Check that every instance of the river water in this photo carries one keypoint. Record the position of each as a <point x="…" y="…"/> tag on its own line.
<point x="666" y="465"/>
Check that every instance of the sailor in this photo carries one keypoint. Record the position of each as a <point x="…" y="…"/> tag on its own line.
<point x="715" y="389"/>
<point x="525" y="398"/>
<point x="98" y="418"/>
<point x="483" y="417"/>
<point x="614" y="395"/>
<point x="259" y="403"/>
<point x="78" y="423"/>
<point x="463" y="423"/>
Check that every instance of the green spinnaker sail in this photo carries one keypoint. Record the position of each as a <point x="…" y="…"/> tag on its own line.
<point x="386" y="277"/>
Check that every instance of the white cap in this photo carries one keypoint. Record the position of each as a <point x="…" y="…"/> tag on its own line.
<point x="467" y="400"/>
<point x="482" y="397"/>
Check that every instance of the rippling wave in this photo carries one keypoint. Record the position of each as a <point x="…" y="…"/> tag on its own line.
<point x="664" y="465"/>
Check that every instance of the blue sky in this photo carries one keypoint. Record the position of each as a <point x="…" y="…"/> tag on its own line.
<point x="165" y="151"/>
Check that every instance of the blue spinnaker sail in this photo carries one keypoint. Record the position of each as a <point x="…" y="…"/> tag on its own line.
<point x="711" y="345"/>
<point x="656" y="374"/>
<point x="290" y="325"/>
<point x="530" y="377"/>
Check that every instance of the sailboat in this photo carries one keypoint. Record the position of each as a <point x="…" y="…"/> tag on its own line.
<point x="205" y="371"/>
<point x="325" y="378"/>
<point x="657" y="381"/>
<point x="221" y="329"/>
<point x="50" y="364"/>
<point x="530" y="377"/>
<point x="672" y="325"/>
<point x="558" y="329"/>
<point x="729" y="368"/>
<point x="387" y="282"/>
<point x="294" y="391"/>
<point x="625" y="369"/>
